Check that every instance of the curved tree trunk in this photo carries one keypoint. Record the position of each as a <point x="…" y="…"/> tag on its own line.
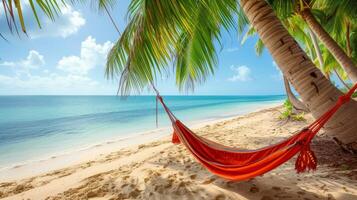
<point x="319" y="57"/>
<point x="331" y="45"/>
<point x="316" y="91"/>
<point x="297" y="104"/>
<point x="318" y="51"/>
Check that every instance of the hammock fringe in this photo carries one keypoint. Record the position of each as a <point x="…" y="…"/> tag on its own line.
<point x="306" y="160"/>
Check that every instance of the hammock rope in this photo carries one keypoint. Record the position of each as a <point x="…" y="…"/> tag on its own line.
<point x="238" y="164"/>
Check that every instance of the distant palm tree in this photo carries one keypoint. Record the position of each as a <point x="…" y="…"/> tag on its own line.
<point x="186" y="34"/>
<point x="346" y="14"/>
<point x="339" y="19"/>
<point x="299" y="29"/>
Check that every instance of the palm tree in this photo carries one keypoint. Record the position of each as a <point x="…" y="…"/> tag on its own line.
<point x="326" y="61"/>
<point x="339" y="19"/>
<point x="317" y="49"/>
<point x="315" y="90"/>
<point x="334" y="48"/>
<point x="339" y="54"/>
<point x="334" y="15"/>
<point x="297" y="28"/>
<point x="184" y="32"/>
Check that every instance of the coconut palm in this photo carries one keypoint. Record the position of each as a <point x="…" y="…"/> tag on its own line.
<point x="315" y="90"/>
<point x="339" y="19"/>
<point x="345" y="61"/>
<point x="305" y="8"/>
<point x="337" y="25"/>
<point x="303" y="34"/>
<point x="186" y="33"/>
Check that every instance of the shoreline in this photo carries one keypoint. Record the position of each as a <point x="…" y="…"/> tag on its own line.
<point x="71" y="157"/>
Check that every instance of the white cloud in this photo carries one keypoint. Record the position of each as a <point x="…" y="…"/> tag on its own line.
<point x="49" y="83"/>
<point x="241" y="73"/>
<point x="91" y="55"/>
<point x="7" y="64"/>
<point x="67" y="23"/>
<point x="34" y="60"/>
<point x="70" y="76"/>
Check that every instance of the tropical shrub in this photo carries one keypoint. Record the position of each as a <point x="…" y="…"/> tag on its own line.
<point x="289" y="113"/>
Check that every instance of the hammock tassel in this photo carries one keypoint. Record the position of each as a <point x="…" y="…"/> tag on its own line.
<point x="306" y="160"/>
<point x="175" y="138"/>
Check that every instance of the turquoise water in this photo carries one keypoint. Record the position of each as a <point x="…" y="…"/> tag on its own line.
<point x="33" y="127"/>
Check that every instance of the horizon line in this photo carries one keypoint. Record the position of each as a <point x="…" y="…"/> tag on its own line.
<point x="139" y="95"/>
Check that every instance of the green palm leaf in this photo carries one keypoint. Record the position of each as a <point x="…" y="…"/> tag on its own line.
<point x="161" y="34"/>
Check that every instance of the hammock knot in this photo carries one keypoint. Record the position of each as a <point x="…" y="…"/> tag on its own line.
<point x="343" y="99"/>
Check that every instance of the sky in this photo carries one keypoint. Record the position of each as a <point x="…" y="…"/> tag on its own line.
<point x="67" y="57"/>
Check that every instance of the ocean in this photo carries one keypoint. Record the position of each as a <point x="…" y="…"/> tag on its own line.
<point x="36" y="127"/>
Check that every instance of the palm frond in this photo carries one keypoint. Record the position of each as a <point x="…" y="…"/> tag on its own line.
<point x="181" y="33"/>
<point x="249" y="33"/>
<point x="51" y="8"/>
<point x="242" y="20"/>
<point x="259" y="47"/>
<point x="284" y="9"/>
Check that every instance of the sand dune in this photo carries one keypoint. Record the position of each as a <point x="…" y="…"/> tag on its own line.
<point x="161" y="170"/>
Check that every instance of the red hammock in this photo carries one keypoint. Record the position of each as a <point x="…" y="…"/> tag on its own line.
<point x="237" y="164"/>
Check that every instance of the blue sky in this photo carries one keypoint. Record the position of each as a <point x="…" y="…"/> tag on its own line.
<point x="67" y="57"/>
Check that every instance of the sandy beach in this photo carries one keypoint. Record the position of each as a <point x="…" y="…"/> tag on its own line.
<point x="161" y="170"/>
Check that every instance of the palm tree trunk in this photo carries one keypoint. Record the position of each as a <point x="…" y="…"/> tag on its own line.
<point x="318" y="51"/>
<point x="319" y="57"/>
<point x="331" y="45"/>
<point x="297" y="104"/>
<point x="315" y="90"/>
